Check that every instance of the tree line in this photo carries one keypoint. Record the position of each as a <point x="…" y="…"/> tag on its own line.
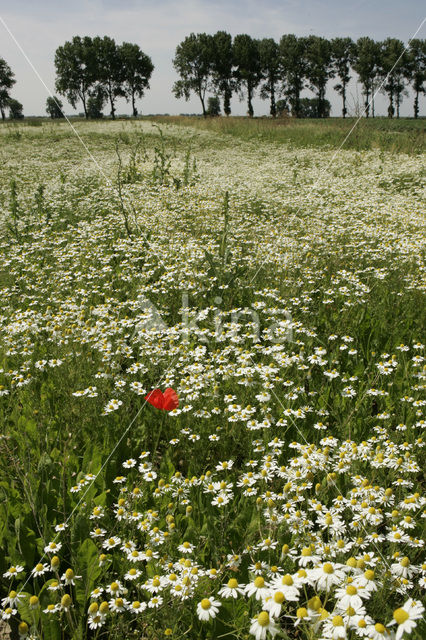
<point x="97" y="71"/>
<point x="94" y="71"/>
<point x="224" y="65"/>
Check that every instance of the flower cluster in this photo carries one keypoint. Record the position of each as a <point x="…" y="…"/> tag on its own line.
<point x="281" y="494"/>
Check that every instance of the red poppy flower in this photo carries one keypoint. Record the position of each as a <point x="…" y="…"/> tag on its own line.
<point x="166" y="401"/>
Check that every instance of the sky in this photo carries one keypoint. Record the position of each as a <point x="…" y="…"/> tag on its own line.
<point x="158" y="26"/>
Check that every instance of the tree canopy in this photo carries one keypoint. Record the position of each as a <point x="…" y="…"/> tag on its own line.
<point x="7" y="80"/>
<point x="222" y="65"/>
<point x="137" y="70"/>
<point x="15" y="109"/>
<point x="194" y="63"/>
<point x="98" y="68"/>
<point x="248" y="70"/>
<point x="54" y="107"/>
<point x="343" y="57"/>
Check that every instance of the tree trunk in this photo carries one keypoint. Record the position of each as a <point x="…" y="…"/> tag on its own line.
<point x="344" y="110"/>
<point x="273" y="108"/>
<point x="320" y="110"/>
<point x="416" y="105"/>
<point x="227" y="101"/>
<point x="83" y="99"/>
<point x="203" y="105"/>
<point x="391" y="109"/>
<point x="297" y="103"/>
<point x="3" y="115"/>
<point x="249" y="104"/>
<point x="135" y="111"/>
<point x="367" y="103"/>
<point x="111" y="101"/>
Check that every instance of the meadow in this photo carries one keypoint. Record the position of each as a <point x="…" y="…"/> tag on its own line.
<point x="277" y="286"/>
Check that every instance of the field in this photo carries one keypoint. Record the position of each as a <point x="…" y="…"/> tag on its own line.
<point x="276" y="283"/>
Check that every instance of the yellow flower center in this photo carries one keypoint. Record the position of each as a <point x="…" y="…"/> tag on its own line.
<point x="66" y="600"/>
<point x="205" y="604"/>
<point x="314" y="603"/>
<point x="337" y="621"/>
<point x="379" y="627"/>
<point x="351" y="590"/>
<point x="287" y="580"/>
<point x="279" y="597"/>
<point x="302" y="612"/>
<point x="263" y="619"/>
<point x="328" y="568"/>
<point x="232" y="583"/>
<point x="259" y="582"/>
<point x="400" y="615"/>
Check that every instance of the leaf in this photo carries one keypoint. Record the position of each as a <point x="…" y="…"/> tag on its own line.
<point x="88" y="567"/>
<point x="25" y="541"/>
<point x="24" y="610"/>
<point x="51" y="628"/>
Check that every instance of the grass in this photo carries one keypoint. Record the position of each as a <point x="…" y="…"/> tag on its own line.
<point x="404" y="135"/>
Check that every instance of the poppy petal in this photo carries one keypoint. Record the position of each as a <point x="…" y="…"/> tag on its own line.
<point x="156" y="398"/>
<point x="171" y="400"/>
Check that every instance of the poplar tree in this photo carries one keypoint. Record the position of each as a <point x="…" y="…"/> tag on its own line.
<point x="248" y="72"/>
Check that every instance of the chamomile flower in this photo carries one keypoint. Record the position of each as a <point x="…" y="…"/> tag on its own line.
<point x="118" y="604"/>
<point x="136" y="607"/>
<point x="231" y="589"/>
<point x="261" y="625"/>
<point x="7" y="613"/>
<point x="13" y="571"/>
<point x="258" y="588"/>
<point x="208" y="608"/>
<point x="96" y="621"/>
<point x="52" y="547"/>
<point x="378" y="631"/>
<point x="40" y="569"/>
<point x="328" y="575"/>
<point x="406" y="616"/>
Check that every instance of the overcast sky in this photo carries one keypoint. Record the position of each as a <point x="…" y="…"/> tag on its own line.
<point x="40" y="26"/>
